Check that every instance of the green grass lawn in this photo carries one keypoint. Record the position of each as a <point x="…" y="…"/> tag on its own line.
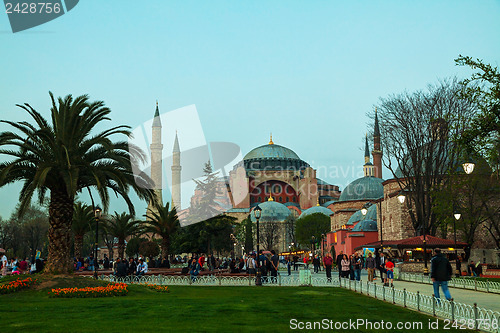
<point x="195" y="309"/>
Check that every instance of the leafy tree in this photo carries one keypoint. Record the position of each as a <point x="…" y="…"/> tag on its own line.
<point x="63" y="156"/>
<point x="163" y="221"/>
<point x="311" y="225"/>
<point x="83" y="219"/>
<point x="133" y="246"/>
<point x="123" y="226"/>
<point x="244" y="233"/>
<point x="483" y="132"/>
<point x="149" y="249"/>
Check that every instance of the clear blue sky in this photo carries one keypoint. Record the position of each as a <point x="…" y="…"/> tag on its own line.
<point x="307" y="71"/>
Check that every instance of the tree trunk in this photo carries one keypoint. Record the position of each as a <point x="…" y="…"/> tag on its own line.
<point x="78" y="246"/>
<point x="60" y="217"/>
<point x="121" y="248"/>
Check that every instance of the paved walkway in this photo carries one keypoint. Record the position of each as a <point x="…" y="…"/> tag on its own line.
<point x="466" y="296"/>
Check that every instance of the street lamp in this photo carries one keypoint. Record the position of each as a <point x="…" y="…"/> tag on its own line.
<point x="401" y="197"/>
<point x="468" y="167"/>
<point x="323" y="241"/>
<point x="97" y="214"/>
<point x="457" y="216"/>
<point x="257" y="211"/>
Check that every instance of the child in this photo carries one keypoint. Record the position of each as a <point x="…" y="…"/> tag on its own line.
<point x="389" y="265"/>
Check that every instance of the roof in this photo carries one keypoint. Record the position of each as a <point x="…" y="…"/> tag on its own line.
<point x="316" y="209"/>
<point x="157" y="120"/>
<point x="366" y="225"/>
<point x="238" y="210"/>
<point x="272" y="211"/>
<point x="364" y="188"/>
<point x="271" y="151"/>
<point x="413" y="242"/>
<point x="328" y="203"/>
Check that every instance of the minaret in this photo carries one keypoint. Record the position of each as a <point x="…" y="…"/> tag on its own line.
<point x="176" y="174"/>
<point x="377" y="151"/>
<point x="156" y="157"/>
<point x="368" y="166"/>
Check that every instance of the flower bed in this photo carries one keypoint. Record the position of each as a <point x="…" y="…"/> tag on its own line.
<point x="16" y="285"/>
<point x="115" y="289"/>
<point x="160" y="289"/>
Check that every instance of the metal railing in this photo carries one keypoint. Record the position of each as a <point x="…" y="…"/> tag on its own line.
<point x="464" y="315"/>
<point x="463" y="283"/>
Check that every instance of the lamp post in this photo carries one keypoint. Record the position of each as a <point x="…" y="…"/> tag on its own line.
<point x="323" y="242"/>
<point x="97" y="214"/>
<point x="257" y="211"/>
<point x="313" y="241"/>
<point x="457" y="216"/>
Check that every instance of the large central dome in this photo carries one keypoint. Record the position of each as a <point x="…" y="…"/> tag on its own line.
<point x="271" y="151"/>
<point x="273" y="157"/>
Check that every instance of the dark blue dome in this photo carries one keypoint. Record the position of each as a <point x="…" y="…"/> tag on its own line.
<point x="365" y="188"/>
<point x="365" y="225"/>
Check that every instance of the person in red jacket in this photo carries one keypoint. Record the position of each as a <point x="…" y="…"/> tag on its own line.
<point x="201" y="261"/>
<point x="389" y="265"/>
<point x="327" y="264"/>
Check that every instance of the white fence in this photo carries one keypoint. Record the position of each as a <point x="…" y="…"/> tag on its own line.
<point x="464" y="283"/>
<point x="464" y="315"/>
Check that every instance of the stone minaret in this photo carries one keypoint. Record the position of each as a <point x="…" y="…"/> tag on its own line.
<point x="156" y="157"/>
<point x="377" y="151"/>
<point x="176" y="174"/>
<point x="368" y="167"/>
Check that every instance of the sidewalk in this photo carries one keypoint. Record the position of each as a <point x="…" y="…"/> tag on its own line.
<point x="483" y="300"/>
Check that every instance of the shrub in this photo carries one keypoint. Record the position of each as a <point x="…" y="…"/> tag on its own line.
<point x="16" y="285"/>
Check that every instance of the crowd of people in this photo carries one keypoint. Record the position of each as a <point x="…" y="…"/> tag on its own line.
<point x="17" y="266"/>
<point x="351" y="266"/>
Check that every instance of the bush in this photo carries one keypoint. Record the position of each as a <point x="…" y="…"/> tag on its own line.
<point x="160" y="289"/>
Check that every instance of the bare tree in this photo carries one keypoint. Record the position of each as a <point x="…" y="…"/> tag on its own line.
<point x="270" y="234"/>
<point x="416" y="130"/>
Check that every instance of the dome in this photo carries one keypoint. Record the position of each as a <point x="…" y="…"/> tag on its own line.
<point x="356" y="217"/>
<point x="272" y="211"/>
<point x="328" y="203"/>
<point x="364" y="188"/>
<point x="366" y="225"/>
<point x="271" y="151"/>
<point x="316" y="209"/>
<point x="273" y="157"/>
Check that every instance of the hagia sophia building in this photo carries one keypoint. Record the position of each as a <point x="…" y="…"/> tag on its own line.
<point x="284" y="186"/>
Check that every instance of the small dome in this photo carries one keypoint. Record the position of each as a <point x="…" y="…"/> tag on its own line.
<point x="271" y="151"/>
<point x="365" y="225"/>
<point x="364" y="188"/>
<point x="272" y="211"/>
<point x="316" y="209"/>
<point x="356" y="217"/>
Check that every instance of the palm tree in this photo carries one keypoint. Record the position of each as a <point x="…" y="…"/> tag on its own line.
<point x="163" y="222"/>
<point x="83" y="216"/>
<point x="63" y="156"/>
<point x="122" y="226"/>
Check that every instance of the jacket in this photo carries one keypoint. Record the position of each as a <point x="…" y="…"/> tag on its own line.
<point x="440" y="268"/>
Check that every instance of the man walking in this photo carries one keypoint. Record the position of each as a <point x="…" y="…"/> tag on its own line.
<point x="441" y="272"/>
<point x="327" y="263"/>
<point x="370" y="266"/>
<point x="339" y="262"/>
<point x="275" y="261"/>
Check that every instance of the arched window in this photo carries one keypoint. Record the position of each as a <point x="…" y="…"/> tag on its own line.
<point x="280" y="199"/>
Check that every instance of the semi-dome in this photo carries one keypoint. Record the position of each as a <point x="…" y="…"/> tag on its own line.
<point x="316" y="209"/>
<point x="272" y="211"/>
<point x="364" y="188"/>
<point x="366" y="225"/>
<point x="328" y="203"/>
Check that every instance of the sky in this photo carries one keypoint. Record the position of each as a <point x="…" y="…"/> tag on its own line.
<point x="307" y="71"/>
